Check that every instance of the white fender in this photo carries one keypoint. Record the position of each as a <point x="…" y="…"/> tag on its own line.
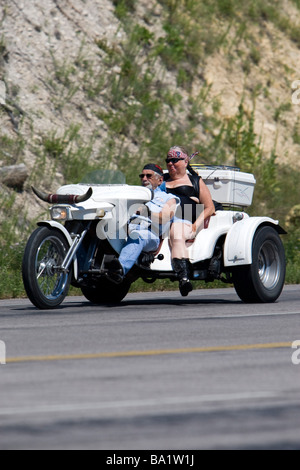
<point x="58" y="226"/>
<point x="239" y="240"/>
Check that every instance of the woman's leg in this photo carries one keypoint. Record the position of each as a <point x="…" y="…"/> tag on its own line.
<point x="180" y="233"/>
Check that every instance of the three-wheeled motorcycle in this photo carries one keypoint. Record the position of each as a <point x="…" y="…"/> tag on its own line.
<point x="89" y="225"/>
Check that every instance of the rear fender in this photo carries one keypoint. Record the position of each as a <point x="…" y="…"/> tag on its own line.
<point x="239" y="240"/>
<point x="61" y="228"/>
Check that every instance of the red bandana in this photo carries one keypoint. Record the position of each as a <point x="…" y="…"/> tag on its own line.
<point x="175" y="152"/>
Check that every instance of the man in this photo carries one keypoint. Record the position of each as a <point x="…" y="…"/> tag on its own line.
<point x="145" y="237"/>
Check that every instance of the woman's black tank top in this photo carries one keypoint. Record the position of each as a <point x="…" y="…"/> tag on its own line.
<point x="188" y="207"/>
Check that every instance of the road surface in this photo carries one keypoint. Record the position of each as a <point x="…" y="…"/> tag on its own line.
<point x="156" y="372"/>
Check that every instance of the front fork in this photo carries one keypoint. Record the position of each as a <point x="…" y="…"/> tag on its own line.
<point x="73" y="250"/>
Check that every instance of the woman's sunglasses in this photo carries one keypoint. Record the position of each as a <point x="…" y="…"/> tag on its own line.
<point x="174" y="160"/>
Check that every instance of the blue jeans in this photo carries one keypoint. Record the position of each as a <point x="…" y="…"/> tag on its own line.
<point x="139" y="241"/>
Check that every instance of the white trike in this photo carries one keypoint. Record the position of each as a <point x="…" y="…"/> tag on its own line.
<point x="89" y="225"/>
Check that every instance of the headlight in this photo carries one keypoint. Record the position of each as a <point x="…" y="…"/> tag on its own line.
<point x="60" y="213"/>
<point x="101" y="213"/>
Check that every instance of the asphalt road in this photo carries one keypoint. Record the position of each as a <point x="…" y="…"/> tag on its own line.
<point x="158" y="372"/>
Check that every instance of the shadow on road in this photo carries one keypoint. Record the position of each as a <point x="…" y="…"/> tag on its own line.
<point x="176" y="302"/>
<point x="71" y="307"/>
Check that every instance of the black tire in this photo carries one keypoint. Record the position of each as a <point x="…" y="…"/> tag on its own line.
<point x="106" y="292"/>
<point x="263" y="280"/>
<point x="45" y="286"/>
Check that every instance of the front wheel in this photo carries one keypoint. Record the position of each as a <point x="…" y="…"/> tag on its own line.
<point x="263" y="280"/>
<point x="45" y="285"/>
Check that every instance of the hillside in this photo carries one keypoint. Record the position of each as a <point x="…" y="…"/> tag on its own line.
<point x="110" y="84"/>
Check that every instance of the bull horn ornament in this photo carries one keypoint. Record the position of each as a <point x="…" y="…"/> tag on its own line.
<point x="62" y="198"/>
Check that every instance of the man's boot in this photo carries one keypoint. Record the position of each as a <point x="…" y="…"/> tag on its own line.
<point x="182" y="269"/>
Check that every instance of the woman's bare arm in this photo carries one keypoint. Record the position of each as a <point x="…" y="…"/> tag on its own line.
<point x="209" y="207"/>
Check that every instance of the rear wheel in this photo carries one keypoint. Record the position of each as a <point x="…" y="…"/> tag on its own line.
<point x="45" y="285"/>
<point x="263" y="280"/>
<point x="106" y="292"/>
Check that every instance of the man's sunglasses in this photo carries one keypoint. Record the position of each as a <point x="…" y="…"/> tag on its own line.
<point x="174" y="160"/>
<point x="148" y="176"/>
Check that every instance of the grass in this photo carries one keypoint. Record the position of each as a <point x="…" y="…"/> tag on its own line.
<point x="68" y="153"/>
<point x="12" y="246"/>
<point x="11" y="285"/>
<point x="11" y="149"/>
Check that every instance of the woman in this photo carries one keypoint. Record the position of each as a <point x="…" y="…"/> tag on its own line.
<point x="192" y="192"/>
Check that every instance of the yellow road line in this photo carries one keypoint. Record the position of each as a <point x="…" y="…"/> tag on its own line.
<point x="156" y="352"/>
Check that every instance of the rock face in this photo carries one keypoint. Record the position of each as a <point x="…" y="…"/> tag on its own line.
<point x="45" y="45"/>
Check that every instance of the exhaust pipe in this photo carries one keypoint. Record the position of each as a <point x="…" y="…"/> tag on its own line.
<point x="62" y="198"/>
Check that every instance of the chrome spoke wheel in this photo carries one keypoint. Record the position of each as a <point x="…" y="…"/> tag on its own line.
<point x="49" y="257"/>
<point x="45" y="283"/>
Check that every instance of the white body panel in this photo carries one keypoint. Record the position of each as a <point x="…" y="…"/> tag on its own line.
<point x="123" y="196"/>
<point x="204" y="245"/>
<point x="238" y="245"/>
